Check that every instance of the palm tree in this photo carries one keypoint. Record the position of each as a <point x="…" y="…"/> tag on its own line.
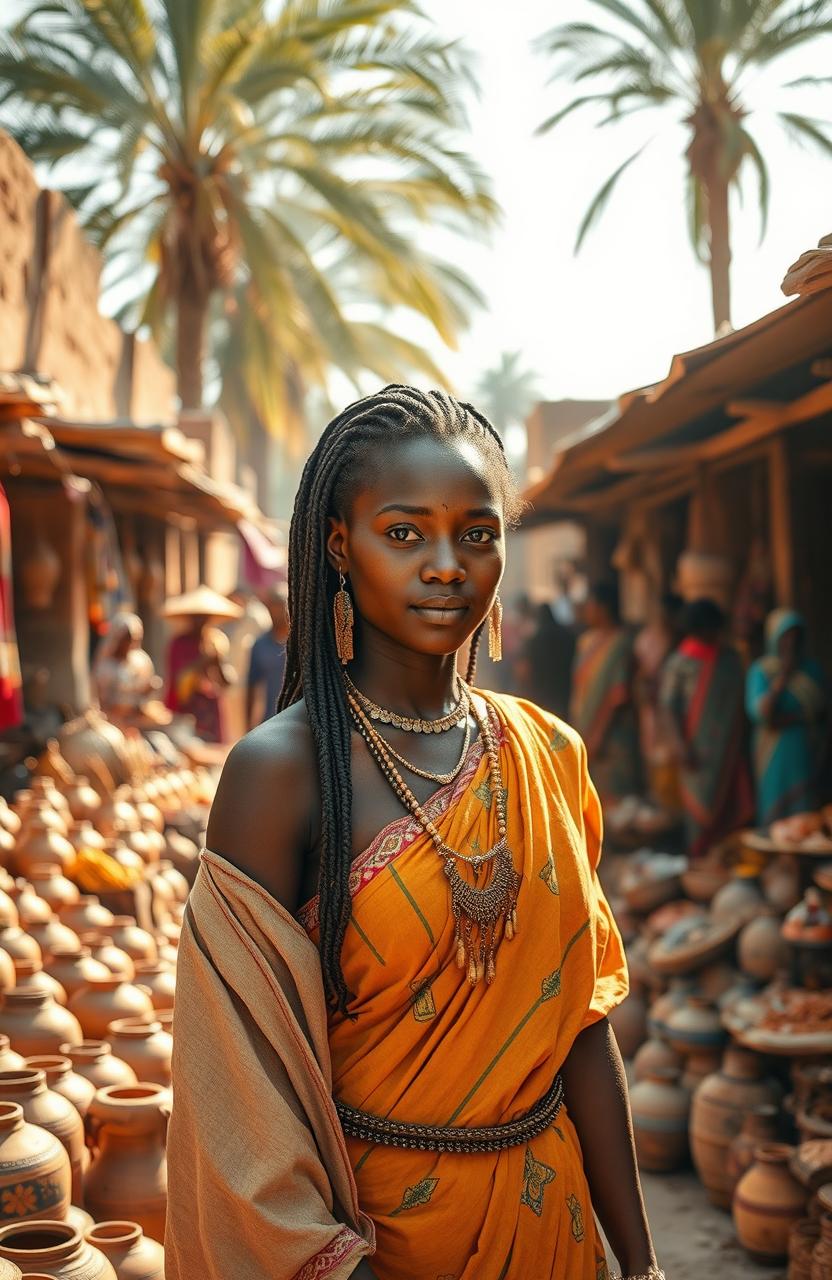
<point x="693" y="57"/>
<point x="507" y="391"/>
<point x="233" y="151"/>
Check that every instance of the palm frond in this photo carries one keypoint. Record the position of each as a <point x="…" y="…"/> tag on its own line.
<point x="601" y="199"/>
<point x="803" y="129"/>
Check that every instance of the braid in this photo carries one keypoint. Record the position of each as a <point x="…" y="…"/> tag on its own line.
<point x="313" y="670"/>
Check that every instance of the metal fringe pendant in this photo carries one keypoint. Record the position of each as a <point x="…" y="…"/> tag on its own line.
<point x="478" y="912"/>
<point x="342" y="610"/>
<point x="495" y="631"/>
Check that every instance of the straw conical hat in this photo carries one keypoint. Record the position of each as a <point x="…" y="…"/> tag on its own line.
<point x="204" y="602"/>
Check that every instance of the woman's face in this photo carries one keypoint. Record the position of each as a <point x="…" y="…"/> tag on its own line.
<point x="423" y="543"/>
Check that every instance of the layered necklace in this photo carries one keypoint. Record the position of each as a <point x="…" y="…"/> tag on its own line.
<point x="478" y="913"/>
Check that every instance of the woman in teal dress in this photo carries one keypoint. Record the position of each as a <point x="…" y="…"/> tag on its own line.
<point x="786" y="703"/>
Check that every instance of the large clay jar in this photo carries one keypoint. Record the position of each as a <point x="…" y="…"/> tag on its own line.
<point x="655" y="1055"/>
<point x="660" y="1109"/>
<point x="129" y="1175"/>
<point x="9" y="1060"/>
<point x="52" y="934"/>
<point x="127" y="936"/>
<point x="112" y="957"/>
<point x="74" y="970"/>
<point x="759" y="1126"/>
<point x="767" y="1203"/>
<point x="104" y="1000"/>
<point x="628" y="1019"/>
<point x="144" y="1046"/>
<point x="55" y="1250"/>
<point x="761" y="950"/>
<point x="132" y="1255"/>
<point x="160" y="981"/>
<point x="86" y="914"/>
<point x="52" y="1112"/>
<point x="30" y="974"/>
<point x="62" y="1079"/>
<point x="35" y="1023"/>
<point x="719" y="1105"/>
<point x="95" y="1061"/>
<point x="695" y="1026"/>
<point x="19" y="945"/>
<point x="35" y="1175"/>
<point x="50" y="884"/>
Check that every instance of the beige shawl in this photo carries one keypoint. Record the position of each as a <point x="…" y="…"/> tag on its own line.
<point x="260" y="1187"/>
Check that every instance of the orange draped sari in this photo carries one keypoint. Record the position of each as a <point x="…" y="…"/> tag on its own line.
<point x="423" y="1046"/>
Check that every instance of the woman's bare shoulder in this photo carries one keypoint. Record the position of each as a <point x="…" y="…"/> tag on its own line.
<point x="260" y="818"/>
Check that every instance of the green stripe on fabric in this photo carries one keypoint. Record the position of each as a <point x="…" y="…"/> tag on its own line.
<point x="362" y="935"/>
<point x="414" y="904"/>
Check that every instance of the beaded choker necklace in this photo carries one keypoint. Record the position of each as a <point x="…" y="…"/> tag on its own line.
<point x="412" y="724"/>
<point x="477" y="912"/>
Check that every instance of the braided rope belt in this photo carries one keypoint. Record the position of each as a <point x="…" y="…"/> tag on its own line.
<point x="450" y="1137"/>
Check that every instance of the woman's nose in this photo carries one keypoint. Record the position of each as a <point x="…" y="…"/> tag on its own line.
<point x="443" y="564"/>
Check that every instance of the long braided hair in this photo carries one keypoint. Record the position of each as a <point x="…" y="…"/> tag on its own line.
<point x="313" y="671"/>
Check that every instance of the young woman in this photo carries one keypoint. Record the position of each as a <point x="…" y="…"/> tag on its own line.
<point x="392" y="1055"/>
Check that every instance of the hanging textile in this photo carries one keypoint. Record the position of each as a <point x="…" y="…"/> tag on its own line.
<point x="11" y="698"/>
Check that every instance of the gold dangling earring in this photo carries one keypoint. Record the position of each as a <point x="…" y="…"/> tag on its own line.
<point x="342" y="609"/>
<point x="495" y="631"/>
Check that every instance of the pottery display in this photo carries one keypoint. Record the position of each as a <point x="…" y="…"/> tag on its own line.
<point x="50" y="884"/>
<point x="43" y="845"/>
<point x="655" y="1055"/>
<point x="660" y="1108"/>
<point x="52" y="1111"/>
<point x="32" y="975"/>
<point x="117" y="814"/>
<point x="700" y="1063"/>
<point x="127" y="936"/>
<point x="102" y="1001"/>
<point x="768" y="1201"/>
<point x="96" y="1062"/>
<point x="83" y="835"/>
<point x="115" y="961"/>
<point x="8" y="973"/>
<point x="35" y="1174"/>
<point x="86" y="914"/>
<point x="760" y="1125"/>
<point x="35" y="1023"/>
<point x="53" y="1249"/>
<point x="31" y="907"/>
<point x="83" y="799"/>
<point x="695" y="1025"/>
<point x="53" y="934"/>
<point x="717" y="1110"/>
<point x="19" y="945"/>
<point x="74" y="969"/>
<point x="9" y="1060"/>
<point x="143" y="1045"/>
<point x="128" y="1177"/>
<point x="761" y="951"/>
<point x="807" y="930"/>
<point x="740" y="900"/>
<point x="133" y="1255"/>
<point x="781" y="884"/>
<point x="61" y="1077"/>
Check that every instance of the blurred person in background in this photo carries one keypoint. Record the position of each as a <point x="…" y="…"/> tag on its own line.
<point x="701" y="698"/>
<point x="602" y="706"/>
<point x="242" y="633"/>
<point x="653" y="646"/>
<point x="123" y="675"/>
<point x="199" y="672"/>
<point x="786" y="701"/>
<point x="268" y="660"/>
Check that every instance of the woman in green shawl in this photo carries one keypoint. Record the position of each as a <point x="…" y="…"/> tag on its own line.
<point x="786" y="703"/>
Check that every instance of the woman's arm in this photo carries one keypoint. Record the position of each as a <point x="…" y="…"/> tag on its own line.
<point x="595" y="1089"/>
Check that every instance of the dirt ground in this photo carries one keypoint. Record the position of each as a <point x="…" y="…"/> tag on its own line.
<point x="694" y="1240"/>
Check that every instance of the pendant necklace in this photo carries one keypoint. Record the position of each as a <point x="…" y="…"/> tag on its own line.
<point x="478" y="913"/>
<point x="413" y="724"/>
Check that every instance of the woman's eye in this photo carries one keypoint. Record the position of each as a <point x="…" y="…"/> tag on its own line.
<point x="404" y="533"/>
<point x="480" y="536"/>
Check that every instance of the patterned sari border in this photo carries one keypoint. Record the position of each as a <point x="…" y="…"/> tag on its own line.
<point x="326" y="1260"/>
<point x="394" y="839"/>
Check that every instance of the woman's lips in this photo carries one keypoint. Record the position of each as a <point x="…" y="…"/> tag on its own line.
<point x="441" y="612"/>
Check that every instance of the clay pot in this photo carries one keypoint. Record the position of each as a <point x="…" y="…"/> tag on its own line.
<point x="808" y="931"/>
<point x="666" y="1004"/>
<point x="741" y="899"/>
<point x="83" y="800"/>
<point x="19" y="945"/>
<point x="660" y="1109"/>
<point x="83" y="835"/>
<point x="144" y="846"/>
<point x="43" y="846"/>
<point x="115" y="961"/>
<point x="761" y="950"/>
<point x="9" y="915"/>
<point x="104" y="1000"/>
<point x="781" y="884"/>
<point x="74" y="970"/>
<point x="132" y="1255"/>
<point x="715" y="979"/>
<point x="699" y="1064"/>
<point x="628" y="1020"/>
<point x="90" y="737"/>
<point x="117" y="814"/>
<point x="31" y="907"/>
<point x="35" y="1175"/>
<point x="695" y="1025"/>
<point x="61" y="1077"/>
<point x="655" y="1055"/>
<point x="759" y="1126"/>
<point x="30" y="974"/>
<point x="717" y="1110"/>
<point x="95" y="1061"/>
<point x="127" y="936"/>
<point x="53" y="1112"/>
<point x="161" y="981"/>
<point x="143" y="1045"/>
<point x="85" y="914"/>
<point x="165" y="1018"/>
<point x="148" y="812"/>
<point x="175" y="879"/>
<point x="8" y="973"/>
<point x="9" y="1060"/>
<point x="7" y="847"/>
<point x="129" y="1174"/>
<point x="52" y="935"/>
<point x="55" y="1250"/>
<point x="52" y="886"/>
<point x="35" y="1023"/>
<point x="767" y="1203"/>
<point x="8" y="818"/>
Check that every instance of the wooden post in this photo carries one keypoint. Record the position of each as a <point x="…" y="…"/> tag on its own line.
<point x="780" y="521"/>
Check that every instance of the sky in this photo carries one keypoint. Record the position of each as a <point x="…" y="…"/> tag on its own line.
<point x="612" y="318"/>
